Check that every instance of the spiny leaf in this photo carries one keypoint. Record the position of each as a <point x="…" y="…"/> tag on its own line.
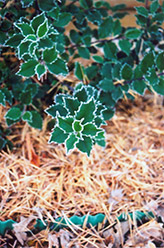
<point x="58" y="136"/>
<point x="85" y="145"/>
<point x="70" y="142"/>
<point x="27" y="69"/>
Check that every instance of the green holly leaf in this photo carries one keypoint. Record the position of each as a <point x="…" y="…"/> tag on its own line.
<point x="152" y="77"/>
<point x="27" y="116"/>
<point x="86" y="112"/>
<point x="71" y="105"/>
<point x="26" y="97"/>
<point x="56" y="108"/>
<point x="159" y="88"/>
<point x="13" y="114"/>
<point x="98" y="59"/>
<point x="106" y="70"/>
<point x="84" y="52"/>
<point x="142" y="11"/>
<point x="117" y="94"/>
<point x="110" y="50"/>
<point x="126" y="72"/>
<point x="105" y="29"/>
<point x="147" y="62"/>
<point x="26" y="3"/>
<point x="47" y="5"/>
<point x="154" y="6"/>
<point x="139" y="86"/>
<point x="58" y="67"/>
<point x="45" y="43"/>
<point x="25" y="28"/>
<point x="14" y="41"/>
<point x="133" y="33"/>
<point x="65" y="123"/>
<point x="125" y="46"/>
<point x="2" y="98"/>
<point x="90" y="130"/>
<point x="40" y="70"/>
<point x="36" y="121"/>
<point x="8" y="95"/>
<point x="50" y="55"/>
<point x="23" y="48"/>
<point x="81" y="95"/>
<point x="42" y="29"/>
<point x="160" y="61"/>
<point x="85" y="145"/>
<point x="37" y="21"/>
<point x="108" y="114"/>
<point x="63" y="19"/>
<point x="79" y="71"/>
<point x="27" y="69"/>
<point x="70" y="142"/>
<point x="106" y="85"/>
<point x="58" y="136"/>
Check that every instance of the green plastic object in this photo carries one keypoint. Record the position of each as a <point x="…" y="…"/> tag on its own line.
<point x="6" y="225"/>
<point x="81" y="221"/>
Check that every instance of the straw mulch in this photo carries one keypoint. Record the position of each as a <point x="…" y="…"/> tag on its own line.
<point x="39" y="180"/>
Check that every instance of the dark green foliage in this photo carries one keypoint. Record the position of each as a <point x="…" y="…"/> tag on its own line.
<point x="120" y="60"/>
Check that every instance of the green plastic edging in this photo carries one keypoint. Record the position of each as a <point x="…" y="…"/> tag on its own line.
<point x="81" y="221"/>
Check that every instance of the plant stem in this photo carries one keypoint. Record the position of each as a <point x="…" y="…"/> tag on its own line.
<point x="93" y="42"/>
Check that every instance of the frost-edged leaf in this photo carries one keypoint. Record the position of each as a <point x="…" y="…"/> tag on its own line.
<point x="110" y="50"/>
<point x="52" y="110"/>
<point x="90" y="129"/>
<point x="25" y="28"/>
<point x="108" y="114"/>
<point x="86" y="112"/>
<point x="45" y="43"/>
<point x="65" y="123"/>
<point x="139" y="86"/>
<point x="50" y="55"/>
<point x="40" y="70"/>
<point x="152" y="77"/>
<point x="160" y="61"/>
<point x="125" y="46"/>
<point x="8" y="95"/>
<point x="126" y="72"/>
<point x="13" y="114"/>
<point x="101" y="142"/>
<point x="85" y="145"/>
<point x="58" y="136"/>
<point x="79" y="71"/>
<point x="154" y="6"/>
<point x="133" y="33"/>
<point x="105" y="29"/>
<point x="147" y="62"/>
<point x="42" y="29"/>
<point x="36" y="121"/>
<point x="142" y="11"/>
<point x="71" y="105"/>
<point x="47" y="5"/>
<point x="106" y="85"/>
<point x="26" y="3"/>
<point x="77" y="126"/>
<point x="159" y="88"/>
<point x="2" y="98"/>
<point x="83" y="52"/>
<point x="27" y="116"/>
<point x="58" y="67"/>
<point x="15" y="40"/>
<point x="81" y="95"/>
<point x="23" y="48"/>
<point x="98" y="59"/>
<point x="26" y="97"/>
<point x="70" y="142"/>
<point x="32" y="47"/>
<point x="63" y="19"/>
<point x="117" y="94"/>
<point x="37" y="21"/>
<point x="30" y="37"/>
<point x="27" y="69"/>
<point x="106" y="70"/>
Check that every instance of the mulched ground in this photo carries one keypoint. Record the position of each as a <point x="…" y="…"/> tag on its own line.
<point x="38" y="180"/>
